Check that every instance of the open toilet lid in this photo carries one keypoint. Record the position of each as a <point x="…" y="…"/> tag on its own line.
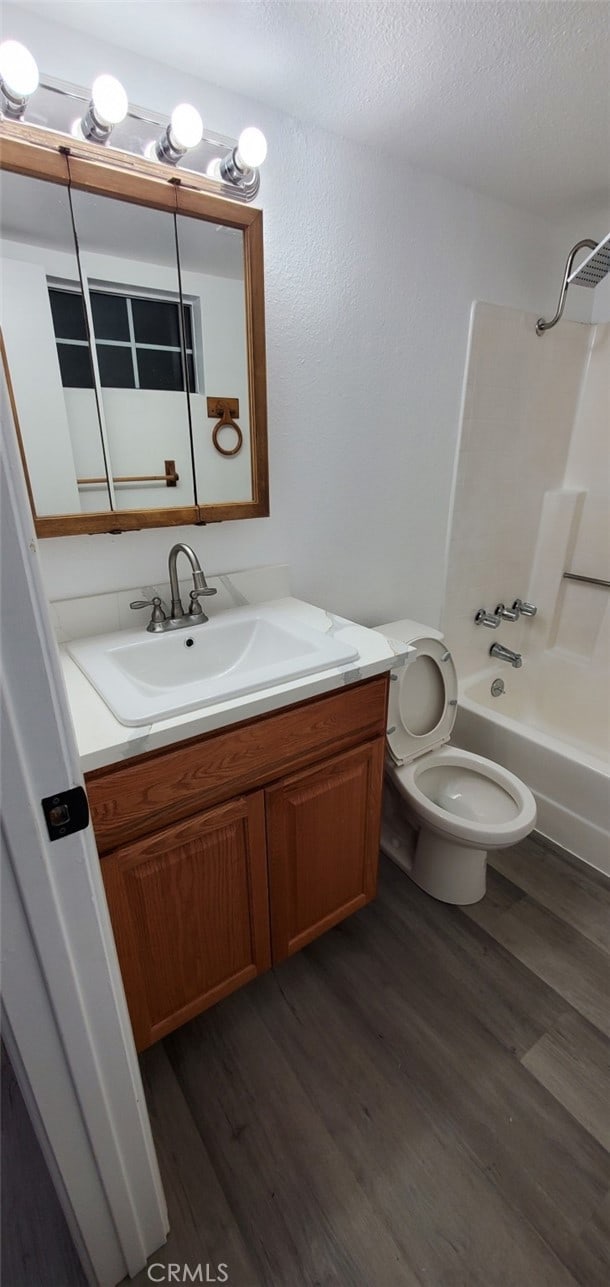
<point x="423" y="701"/>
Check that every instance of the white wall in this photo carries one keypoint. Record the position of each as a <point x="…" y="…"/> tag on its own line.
<point x="371" y="270"/>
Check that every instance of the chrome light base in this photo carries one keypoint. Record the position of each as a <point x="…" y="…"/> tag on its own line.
<point x="248" y="181"/>
<point x="13" y="106"/>
<point x="167" y="150"/>
<point x="92" y="129"/>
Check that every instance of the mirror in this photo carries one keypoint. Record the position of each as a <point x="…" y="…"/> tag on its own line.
<point x="131" y="284"/>
<point x="211" y="260"/>
<point x="133" y="329"/>
<point x="52" y="383"/>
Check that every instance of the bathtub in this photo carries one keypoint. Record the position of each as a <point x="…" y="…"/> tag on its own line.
<point x="551" y="727"/>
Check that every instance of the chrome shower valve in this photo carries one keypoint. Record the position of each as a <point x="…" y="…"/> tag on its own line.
<point x="491" y="619"/>
<point x="507" y="614"/>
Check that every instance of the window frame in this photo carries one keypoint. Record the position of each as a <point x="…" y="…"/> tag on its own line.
<point x="128" y="293"/>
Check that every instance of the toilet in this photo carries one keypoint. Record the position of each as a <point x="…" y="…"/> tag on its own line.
<point x="444" y="808"/>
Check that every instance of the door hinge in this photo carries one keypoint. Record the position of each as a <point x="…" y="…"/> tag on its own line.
<point x="66" y="812"/>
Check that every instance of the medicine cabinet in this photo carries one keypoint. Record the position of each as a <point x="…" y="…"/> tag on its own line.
<point x="133" y="340"/>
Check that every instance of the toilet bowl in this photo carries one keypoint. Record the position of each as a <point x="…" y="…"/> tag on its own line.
<point x="445" y="807"/>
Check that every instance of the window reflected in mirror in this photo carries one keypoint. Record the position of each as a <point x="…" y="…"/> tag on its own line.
<point x="141" y="367"/>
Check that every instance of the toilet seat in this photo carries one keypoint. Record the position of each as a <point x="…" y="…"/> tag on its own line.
<point x="515" y="815"/>
<point x="422" y="704"/>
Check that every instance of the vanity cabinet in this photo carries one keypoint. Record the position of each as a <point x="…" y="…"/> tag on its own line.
<point x="189" y="908"/>
<point x="226" y="853"/>
<point x="323" y="845"/>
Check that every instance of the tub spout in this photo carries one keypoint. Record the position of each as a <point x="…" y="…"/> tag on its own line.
<point x="506" y="654"/>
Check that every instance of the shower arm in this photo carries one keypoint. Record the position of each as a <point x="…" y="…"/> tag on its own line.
<point x="541" y="325"/>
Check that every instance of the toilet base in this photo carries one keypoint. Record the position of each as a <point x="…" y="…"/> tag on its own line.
<point x="449" y="871"/>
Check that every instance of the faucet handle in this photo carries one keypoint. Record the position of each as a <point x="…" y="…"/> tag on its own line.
<point x="491" y="619"/>
<point x="157" y="605"/>
<point x="524" y="609"/>
<point x="195" y="609"/>
<point x="507" y="614"/>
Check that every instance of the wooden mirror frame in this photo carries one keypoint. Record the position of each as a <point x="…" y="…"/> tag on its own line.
<point x="56" y="158"/>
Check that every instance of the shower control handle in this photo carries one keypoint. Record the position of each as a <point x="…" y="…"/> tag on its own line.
<point x="507" y="614"/>
<point x="491" y="619"/>
<point x="524" y="609"/>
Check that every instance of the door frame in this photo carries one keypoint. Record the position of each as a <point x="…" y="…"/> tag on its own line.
<point x="65" y="1018"/>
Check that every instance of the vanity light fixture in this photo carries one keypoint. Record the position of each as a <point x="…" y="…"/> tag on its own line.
<point x="232" y="168"/>
<point x="107" y="107"/>
<point x="240" y="165"/>
<point x="185" y="131"/>
<point x="18" y="78"/>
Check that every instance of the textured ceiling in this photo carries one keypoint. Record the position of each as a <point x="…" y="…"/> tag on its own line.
<point x="510" y="97"/>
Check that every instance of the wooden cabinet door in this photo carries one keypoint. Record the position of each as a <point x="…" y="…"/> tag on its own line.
<point x="189" y="909"/>
<point x="323" y="844"/>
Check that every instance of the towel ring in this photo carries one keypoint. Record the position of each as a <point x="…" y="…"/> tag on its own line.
<point x="226" y="410"/>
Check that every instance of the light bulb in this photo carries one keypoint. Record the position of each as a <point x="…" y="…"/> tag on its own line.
<point x="212" y="168"/>
<point x="18" y="71"/>
<point x="109" y="101"/>
<point x="186" y="127"/>
<point x="251" y="148"/>
<point x="240" y="165"/>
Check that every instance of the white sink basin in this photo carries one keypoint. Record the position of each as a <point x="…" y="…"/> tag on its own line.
<point x="148" y="677"/>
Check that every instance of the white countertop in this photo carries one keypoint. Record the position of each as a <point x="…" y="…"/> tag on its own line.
<point x="102" y="740"/>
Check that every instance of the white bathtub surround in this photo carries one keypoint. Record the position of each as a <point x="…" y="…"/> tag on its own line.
<point x="531" y="497"/>
<point x="588" y="469"/>
<point x="551" y="727"/>
<point x="574" y="532"/>
<point x="531" y="502"/>
<point x="553" y="554"/>
<point x="520" y="403"/>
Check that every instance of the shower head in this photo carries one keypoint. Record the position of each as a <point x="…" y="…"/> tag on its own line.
<point x="594" y="268"/>
<point x="589" y="273"/>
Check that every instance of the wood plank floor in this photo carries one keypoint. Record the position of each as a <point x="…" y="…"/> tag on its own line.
<point x="420" y="1097"/>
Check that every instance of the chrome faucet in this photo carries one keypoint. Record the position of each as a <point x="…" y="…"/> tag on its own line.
<point x="506" y="654"/>
<point x="195" y="614"/>
<point x="178" y="618"/>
